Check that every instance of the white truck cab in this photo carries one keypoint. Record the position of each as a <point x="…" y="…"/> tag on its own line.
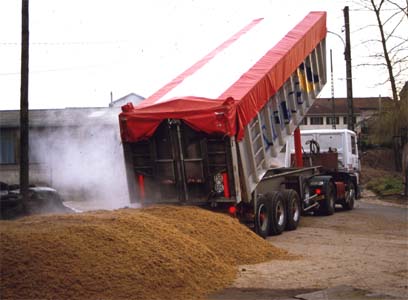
<point x="342" y="141"/>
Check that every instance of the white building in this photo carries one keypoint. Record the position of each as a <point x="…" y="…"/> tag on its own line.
<point x="322" y="113"/>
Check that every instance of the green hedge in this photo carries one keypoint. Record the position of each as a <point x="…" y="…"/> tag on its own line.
<point x="386" y="186"/>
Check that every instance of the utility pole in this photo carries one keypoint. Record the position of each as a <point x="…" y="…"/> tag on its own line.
<point x="332" y="91"/>
<point x="347" y="56"/>
<point x="24" y="162"/>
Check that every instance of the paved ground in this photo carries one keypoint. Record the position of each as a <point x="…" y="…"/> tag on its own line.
<point x="358" y="254"/>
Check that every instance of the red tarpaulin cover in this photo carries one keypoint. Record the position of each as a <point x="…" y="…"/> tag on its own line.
<point x="238" y="103"/>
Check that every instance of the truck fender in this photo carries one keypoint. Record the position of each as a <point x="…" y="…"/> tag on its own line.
<point x="350" y="177"/>
<point x="353" y="178"/>
<point x="320" y="181"/>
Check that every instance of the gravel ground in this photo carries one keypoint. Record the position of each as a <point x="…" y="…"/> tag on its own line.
<point x="366" y="248"/>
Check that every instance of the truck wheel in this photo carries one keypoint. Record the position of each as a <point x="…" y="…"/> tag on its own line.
<point x="278" y="215"/>
<point x="327" y="206"/>
<point x="293" y="209"/>
<point x="263" y="215"/>
<point x="348" y="203"/>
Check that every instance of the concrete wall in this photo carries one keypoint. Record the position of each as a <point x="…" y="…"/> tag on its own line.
<point x="39" y="174"/>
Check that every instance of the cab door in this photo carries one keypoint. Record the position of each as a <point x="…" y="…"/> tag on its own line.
<point x="351" y="153"/>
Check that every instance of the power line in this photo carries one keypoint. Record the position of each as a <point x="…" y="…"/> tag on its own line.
<point x="65" y="69"/>
<point x="53" y="70"/>
<point x="370" y="10"/>
<point x="74" y="43"/>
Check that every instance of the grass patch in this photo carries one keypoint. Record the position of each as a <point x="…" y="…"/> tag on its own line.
<point x="386" y="186"/>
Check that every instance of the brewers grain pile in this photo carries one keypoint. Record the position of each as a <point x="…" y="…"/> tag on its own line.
<point x="154" y="253"/>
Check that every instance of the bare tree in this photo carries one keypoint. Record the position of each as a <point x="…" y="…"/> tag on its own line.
<point x="391" y="20"/>
<point x="377" y="10"/>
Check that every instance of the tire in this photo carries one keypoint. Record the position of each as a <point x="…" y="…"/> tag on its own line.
<point x="348" y="203"/>
<point x="293" y="209"/>
<point x="263" y="215"/>
<point x="278" y="213"/>
<point x="327" y="206"/>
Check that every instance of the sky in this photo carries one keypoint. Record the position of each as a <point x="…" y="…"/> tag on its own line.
<point x="81" y="51"/>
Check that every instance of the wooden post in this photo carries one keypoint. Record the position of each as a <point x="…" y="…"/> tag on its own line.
<point x="347" y="54"/>
<point x="24" y="134"/>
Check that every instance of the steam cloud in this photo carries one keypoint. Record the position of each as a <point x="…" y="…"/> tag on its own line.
<point x="83" y="163"/>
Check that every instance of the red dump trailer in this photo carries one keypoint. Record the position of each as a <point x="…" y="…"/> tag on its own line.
<point x="214" y="135"/>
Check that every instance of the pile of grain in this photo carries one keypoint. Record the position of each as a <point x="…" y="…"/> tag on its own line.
<point x="155" y="253"/>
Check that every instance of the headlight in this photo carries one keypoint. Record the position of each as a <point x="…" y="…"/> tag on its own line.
<point x="219" y="188"/>
<point x="218" y="183"/>
<point x="218" y="178"/>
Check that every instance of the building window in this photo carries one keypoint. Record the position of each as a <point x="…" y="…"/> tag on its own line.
<point x="7" y="146"/>
<point x="33" y="141"/>
<point x="304" y="121"/>
<point x="316" y="120"/>
<point x="329" y="120"/>
<point x="353" y="145"/>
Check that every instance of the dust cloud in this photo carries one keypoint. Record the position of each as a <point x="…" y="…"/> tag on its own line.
<point x="84" y="162"/>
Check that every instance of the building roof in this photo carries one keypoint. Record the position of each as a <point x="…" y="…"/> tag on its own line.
<point x="324" y="106"/>
<point x="62" y="117"/>
<point x="132" y="97"/>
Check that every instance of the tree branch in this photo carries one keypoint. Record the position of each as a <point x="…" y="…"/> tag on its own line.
<point x="371" y="65"/>
<point x="395" y="48"/>
<point x="403" y="9"/>
<point x="395" y="28"/>
<point x="391" y="17"/>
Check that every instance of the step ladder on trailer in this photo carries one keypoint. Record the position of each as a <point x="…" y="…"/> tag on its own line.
<point x="269" y="131"/>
